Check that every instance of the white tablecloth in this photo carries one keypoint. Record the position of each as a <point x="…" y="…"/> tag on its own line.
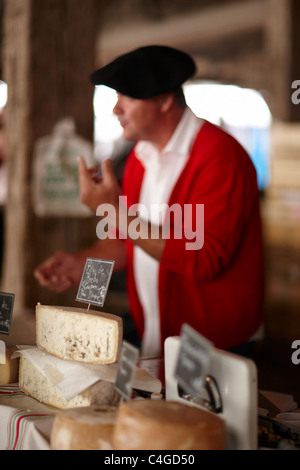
<point x="25" y="424"/>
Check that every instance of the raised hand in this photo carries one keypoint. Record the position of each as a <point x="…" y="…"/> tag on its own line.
<point x="98" y="190"/>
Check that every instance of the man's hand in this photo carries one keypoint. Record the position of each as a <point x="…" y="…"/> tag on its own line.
<point x="105" y="190"/>
<point x="60" y="272"/>
<point x="96" y="191"/>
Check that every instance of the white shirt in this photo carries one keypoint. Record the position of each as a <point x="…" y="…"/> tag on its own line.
<point x="162" y="171"/>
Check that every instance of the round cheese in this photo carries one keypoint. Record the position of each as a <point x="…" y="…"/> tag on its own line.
<point x="75" y="334"/>
<point x="88" y="428"/>
<point x="167" y="425"/>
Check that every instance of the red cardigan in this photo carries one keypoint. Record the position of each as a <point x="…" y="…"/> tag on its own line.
<point x="218" y="289"/>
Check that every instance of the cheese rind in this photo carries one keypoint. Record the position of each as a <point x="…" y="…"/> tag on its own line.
<point x="88" y="428"/>
<point x="167" y="425"/>
<point x="38" y="386"/>
<point x="76" y="334"/>
<point x="9" y="372"/>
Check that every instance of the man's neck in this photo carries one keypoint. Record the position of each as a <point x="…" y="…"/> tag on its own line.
<point x="166" y="129"/>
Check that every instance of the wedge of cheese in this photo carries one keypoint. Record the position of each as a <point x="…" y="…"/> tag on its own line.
<point x="88" y="428"/>
<point x="76" y="334"/>
<point x="38" y="386"/>
<point x="9" y="371"/>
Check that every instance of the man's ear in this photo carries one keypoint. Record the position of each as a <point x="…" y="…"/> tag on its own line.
<point x="166" y="101"/>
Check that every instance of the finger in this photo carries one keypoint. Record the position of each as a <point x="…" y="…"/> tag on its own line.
<point x="46" y="268"/>
<point x="46" y="281"/>
<point x="40" y="277"/>
<point x="55" y="283"/>
<point x="83" y="170"/>
<point x="108" y="174"/>
<point x="97" y="179"/>
<point x="95" y="172"/>
<point x="60" y="284"/>
<point x="44" y="276"/>
<point x="85" y="180"/>
<point x="42" y="273"/>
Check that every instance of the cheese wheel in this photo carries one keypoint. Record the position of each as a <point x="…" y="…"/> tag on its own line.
<point x="88" y="428"/>
<point x="9" y="372"/>
<point x="76" y="334"/>
<point x="38" y="386"/>
<point x="167" y="425"/>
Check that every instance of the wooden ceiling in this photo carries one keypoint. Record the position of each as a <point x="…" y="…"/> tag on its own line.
<point x="253" y="43"/>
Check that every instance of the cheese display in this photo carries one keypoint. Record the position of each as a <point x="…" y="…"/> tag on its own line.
<point x="76" y="334"/>
<point x="10" y="369"/>
<point x="167" y="425"/>
<point x="38" y="386"/>
<point x="88" y="428"/>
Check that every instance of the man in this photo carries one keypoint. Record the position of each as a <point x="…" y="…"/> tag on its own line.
<point x="192" y="246"/>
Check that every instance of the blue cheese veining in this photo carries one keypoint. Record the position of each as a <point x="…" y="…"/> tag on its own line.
<point x="78" y="335"/>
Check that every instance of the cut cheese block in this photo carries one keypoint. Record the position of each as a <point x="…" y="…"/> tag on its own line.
<point x="88" y="428"/>
<point x="76" y="334"/>
<point x="38" y="386"/>
<point x="9" y="372"/>
<point x="167" y="425"/>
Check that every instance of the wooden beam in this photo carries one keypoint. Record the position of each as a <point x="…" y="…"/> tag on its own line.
<point x="278" y="48"/>
<point x="16" y="53"/>
<point x="49" y="53"/>
<point x="295" y="53"/>
<point x="187" y="31"/>
<point x="281" y="52"/>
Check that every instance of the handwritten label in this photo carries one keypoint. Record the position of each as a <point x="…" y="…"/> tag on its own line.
<point x="128" y="359"/>
<point x="6" y="309"/>
<point x="193" y="361"/>
<point x="95" y="281"/>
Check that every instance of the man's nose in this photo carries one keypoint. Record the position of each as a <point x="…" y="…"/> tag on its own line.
<point x="115" y="108"/>
<point x="118" y="107"/>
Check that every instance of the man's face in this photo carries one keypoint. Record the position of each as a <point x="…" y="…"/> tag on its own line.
<point x="138" y="118"/>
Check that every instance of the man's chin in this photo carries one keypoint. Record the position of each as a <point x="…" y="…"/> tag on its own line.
<point x="128" y="136"/>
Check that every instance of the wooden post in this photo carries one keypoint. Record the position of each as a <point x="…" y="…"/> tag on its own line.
<point x="282" y="55"/>
<point x="48" y="55"/>
<point x="295" y="66"/>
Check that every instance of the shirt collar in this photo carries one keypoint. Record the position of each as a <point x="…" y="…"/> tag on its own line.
<point x="180" y="143"/>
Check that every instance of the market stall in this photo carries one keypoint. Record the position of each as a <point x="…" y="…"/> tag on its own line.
<point x="253" y="418"/>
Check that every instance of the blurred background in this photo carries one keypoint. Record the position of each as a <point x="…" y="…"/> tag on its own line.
<point x="248" y="74"/>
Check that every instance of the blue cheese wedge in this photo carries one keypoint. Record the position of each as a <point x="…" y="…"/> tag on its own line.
<point x="38" y="386"/>
<point x="75" y="334"/>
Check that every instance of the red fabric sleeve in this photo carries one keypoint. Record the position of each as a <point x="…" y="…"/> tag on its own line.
<point x="222" y="178"/>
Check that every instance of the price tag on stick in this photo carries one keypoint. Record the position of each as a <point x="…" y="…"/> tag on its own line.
<point x="6" y="309"/>
<point x="193" y="361"/>
<point x="95" y="281"/>
<point x="128" y="360"/>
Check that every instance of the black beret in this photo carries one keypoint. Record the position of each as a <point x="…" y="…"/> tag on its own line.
<point x="146" y="72"/>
